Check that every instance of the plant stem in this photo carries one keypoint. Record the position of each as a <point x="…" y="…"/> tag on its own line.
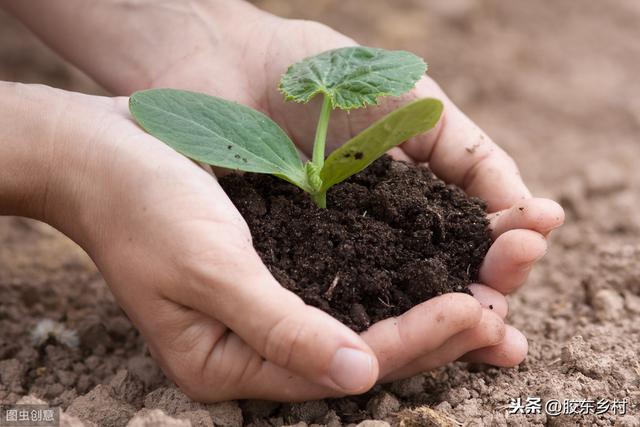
<point x="320" y="199"/>
<point x="321" y="133"/>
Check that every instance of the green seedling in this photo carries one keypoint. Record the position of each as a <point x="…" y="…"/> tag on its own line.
<point x="226" y="134"/>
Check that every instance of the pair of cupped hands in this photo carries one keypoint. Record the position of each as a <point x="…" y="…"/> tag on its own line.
<point x="179" y="259"/>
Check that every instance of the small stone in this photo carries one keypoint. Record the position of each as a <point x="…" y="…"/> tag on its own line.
<point x="572" y="197"/>
<point x="199" y="418"/>
<point x="156" y="418"/>
<point x="309" y="412"/>
<point x="100" y="407"/>
<point x="382" y="405"/>
<point x="31" y="400"/>
<point x="408" y="387"/>
<point x="120" y="326"/>
<point x="255" y="409"/>
<point x="359" y="316"/>
<point x="456" y="396"/>
<point x="632" y="302"/>
<point x="374" y="423"/>
<point x="173" y="401"/>
<point x="608" y="304"/>
<point x="127" y="387"/>
<point x="67" y="378"/>
<point x="84" y="384"/>
<point x="147" y="370"/>
<point x="331" y="419"/>
<point x="275" y="421"/>
<point x="425" y="416"/>
<point x="92" y="362"/>
<point x="67" y="420"/>
<point x="398" y="168"/>
<point x="63" y="398"/>
<point x="577" y="355"/>
<point x="226" y="414"/>
<point x="54" y="390"/>
<point x="92" y="333"/>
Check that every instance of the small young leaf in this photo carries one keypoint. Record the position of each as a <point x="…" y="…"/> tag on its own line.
<point x="393" y="129"/>
<point x="218" y="132"/>
<point x="352" y="77"/>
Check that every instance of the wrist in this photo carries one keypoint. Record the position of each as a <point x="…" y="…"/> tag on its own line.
<point x="28" y="118"/>
<point x="216" y="33"/>
<point x="161" y="38"/>
<point x="45" y="150"/>
<point x="124" y="46"/>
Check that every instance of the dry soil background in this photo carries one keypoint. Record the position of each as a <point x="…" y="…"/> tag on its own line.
<point x="555" y="82"/>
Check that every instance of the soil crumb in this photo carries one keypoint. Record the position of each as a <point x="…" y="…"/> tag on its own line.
<point x="392" y="236"/>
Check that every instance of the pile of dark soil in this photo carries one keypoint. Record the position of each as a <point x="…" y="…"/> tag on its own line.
<point x="393" y="236"/>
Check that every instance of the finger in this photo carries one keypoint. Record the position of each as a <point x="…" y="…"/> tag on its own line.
<point x="462" y="154"/>
<point x="399" y="340"/>
<point x="231" y="284"/>
<point x="490" y="299"/>
<point x="509" y="260"/>
<point x="210" y="363"/>
<point x="398" y="154"/>
<point x="489" y="332"/>
<point x="510" y="352"/>
<point x="234" y="370"/>
<point x="541" y="215"/>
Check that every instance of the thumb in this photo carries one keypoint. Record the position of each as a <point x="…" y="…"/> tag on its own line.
<point x="237" y="289"/>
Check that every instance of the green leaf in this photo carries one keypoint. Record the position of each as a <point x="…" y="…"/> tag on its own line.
<point x="353" y="77"/>
<point x="396" y="127"/>
<point x="218" y="132"/>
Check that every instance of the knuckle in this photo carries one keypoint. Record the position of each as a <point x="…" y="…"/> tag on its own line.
<point x="527" y="246"/>
<point x="472" y="308"/>
<point x="218" y="376"/>
<point x="481" y="162"/>
<point x="513" y="247"/>
<point x="495" y="329"/>
<point x="285" y="339"/>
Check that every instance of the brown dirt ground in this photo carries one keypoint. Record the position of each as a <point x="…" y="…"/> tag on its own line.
<point x="555" y="82"/>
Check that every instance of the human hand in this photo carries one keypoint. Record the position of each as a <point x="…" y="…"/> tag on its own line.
<point x="457" y="151"/>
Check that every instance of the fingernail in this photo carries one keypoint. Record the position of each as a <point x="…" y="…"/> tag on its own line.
<point x="351" y="370"/>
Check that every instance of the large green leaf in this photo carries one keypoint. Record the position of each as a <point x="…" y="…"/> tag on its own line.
<point x="218" y="132"/>
<point x="396" y="127"/>
<point x="353" y="77"/>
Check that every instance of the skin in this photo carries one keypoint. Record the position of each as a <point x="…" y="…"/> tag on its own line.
<point x="175" y="252"/>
